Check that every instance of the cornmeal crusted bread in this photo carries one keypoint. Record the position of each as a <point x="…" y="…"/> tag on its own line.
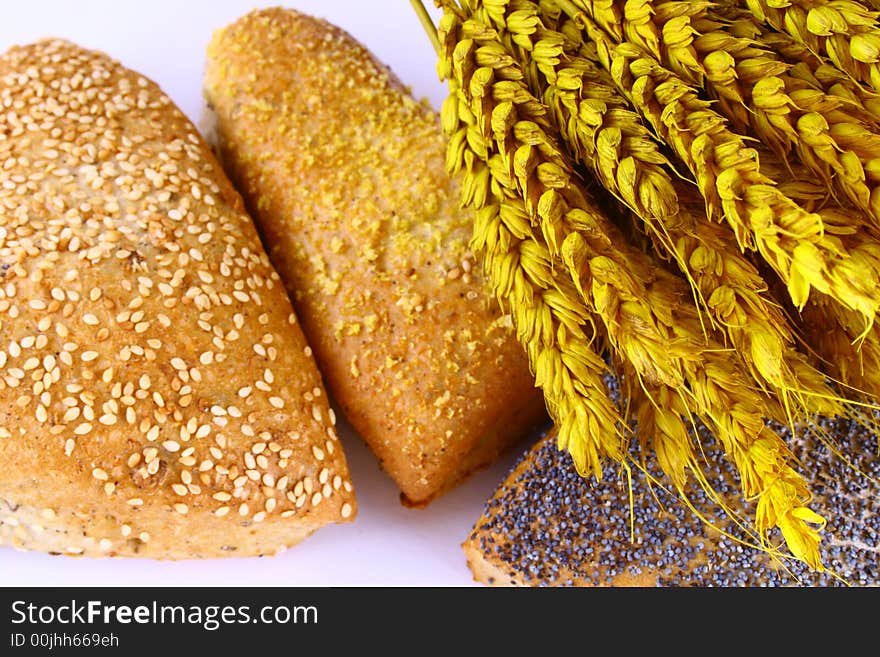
<point x="547" y="526"/>
<point x="345" y="175"/>
<point x="157" y="397"/>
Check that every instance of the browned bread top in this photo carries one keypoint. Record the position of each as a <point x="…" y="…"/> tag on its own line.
<point x="157" y="395"/>
<point x="345" y="174"/>
<point x="547" y="526"/>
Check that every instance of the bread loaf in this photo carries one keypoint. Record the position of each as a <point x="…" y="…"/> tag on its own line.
<point x="344" y="173"/>
<point x="157" y="396"/>
<point x="547" y="526"/>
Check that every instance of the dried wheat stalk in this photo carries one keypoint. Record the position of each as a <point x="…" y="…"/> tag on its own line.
<point x="844" y="32"/>
<point x="555" y="331"/>
<point x="645" y="311"/>
<point x="791" y="240"/>
<point x="607" y="136"/>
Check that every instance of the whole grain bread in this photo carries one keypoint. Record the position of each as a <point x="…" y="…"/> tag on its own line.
<point x="345" y="175"/>
<point x="157" y="396"/>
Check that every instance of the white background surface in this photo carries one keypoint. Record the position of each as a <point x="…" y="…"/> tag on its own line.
<point x="387" y="544"/>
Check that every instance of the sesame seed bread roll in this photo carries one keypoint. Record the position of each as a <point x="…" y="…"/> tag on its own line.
<point x="547" y="526"/>
<point x="157" y="397"/>
<point x="345" y="175"/>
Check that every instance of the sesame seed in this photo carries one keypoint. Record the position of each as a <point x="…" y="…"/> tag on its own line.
<point x="181" y="508"/>
<point x="346" y="510"/>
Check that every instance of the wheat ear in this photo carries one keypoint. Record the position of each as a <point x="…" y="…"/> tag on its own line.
<point x="643" y="309"/>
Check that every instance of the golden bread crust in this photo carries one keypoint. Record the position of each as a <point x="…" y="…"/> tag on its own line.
<point x="345" y="174"/>
<point x="158" y="398"/>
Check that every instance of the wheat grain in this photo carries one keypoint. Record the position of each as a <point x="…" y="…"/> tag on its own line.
<point x="658" y="413"/>
<point x="786" y="107"/>
<point x="643" y="309"/>
<point x="607" y="136"/>
<point x="553" y="330"/>
<point x="833" y="135"/>
<point x="848" y="352"/>
<point x="843" y="31"/>
<point x="816" y="72"/>
<point x="728" y="173"/>
<point x="664" y="31"/>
